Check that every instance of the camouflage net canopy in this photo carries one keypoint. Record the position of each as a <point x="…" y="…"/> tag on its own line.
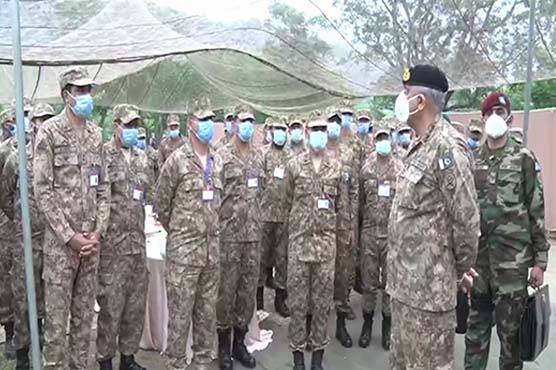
<point x="160" y="59"/>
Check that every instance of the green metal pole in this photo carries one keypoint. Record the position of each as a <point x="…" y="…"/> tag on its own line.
<point x="530" y="51"/>
<point x="23" y="182"/>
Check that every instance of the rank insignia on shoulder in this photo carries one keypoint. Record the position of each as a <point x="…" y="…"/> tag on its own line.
<point x="446" y="160"/>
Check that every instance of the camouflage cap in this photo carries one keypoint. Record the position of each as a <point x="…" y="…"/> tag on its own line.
<point x="42" y="110"/>
<point x="27" y="104"/>
<point x="401" y="126"/>
<point x="142" y="133"/>
<point x="245" y="113"/>
<point x="202" y="108"/>
<point x="126" y="113"/>
<point x="77" y="76"/>
<point x="316" y="119"/>
<point x="331" y="112"/>
<point x="295" y="119"/>
<point x="172" y="118"/>
<point x="7" y="115"/>
<point x="362" y="114"/>
<point x="230" y="113"/>
<point x="346" y="106"/>
<point x="382" y="127"/>
<point x="476" y="125"/>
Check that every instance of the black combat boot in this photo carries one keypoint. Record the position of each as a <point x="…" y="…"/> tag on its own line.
<point x="105" y="365"/>
<point x="386" y="325"/>
<point x="269" y="283"/>
<point x="366" y="330"/>
<point x="260" y="298"/>
<point x="280" y="303"/>
<point x="298" y="360"/>
<point x="341" y="332"/>
<point x="22" y="359"/>
<point x="9" y="346"/>
<point x="128" y="363"/>
<point x="316" y="361"/>
<point x="224" y="347"/>
<point x="239" y="351"/>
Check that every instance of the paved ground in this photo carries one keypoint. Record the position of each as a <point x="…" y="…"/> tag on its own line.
<point x="278" y="357"/>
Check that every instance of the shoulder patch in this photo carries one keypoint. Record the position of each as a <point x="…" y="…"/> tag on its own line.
<point x="446" y="160"/>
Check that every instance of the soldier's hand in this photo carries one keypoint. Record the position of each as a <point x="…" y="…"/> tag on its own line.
<point x="89" y="250"/>
<point x="93" y="236"/>
<point x="536" y="279"/>
<point x="467" y="280"/>
<point x="77" y="242"/>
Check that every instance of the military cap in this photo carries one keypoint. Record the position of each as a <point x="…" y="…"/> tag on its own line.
<point x="295" y="119"/>
<point x="27" y="104"/>
<point x="201" y="108"/>
<point x="230" y="114"/>
<point x="77" y="76"/>
<point x="364" y="114"/>
<point x="402" y="127"/>
<point x="42" y="110"/>
<point x="7" y="115"/>
<point x="346" y="107"/>
<point x="280" y="123"/>
<point x="126" y="113"/>
<point x="316" y="119"/>
<point x="427" y="76"/>
<point x="476" y="125"/>
<point x="332" y="112"/>
<point x="245" y="113"/>
<point x="381" y="127"/>
<point x="494" y="99"/>
<point x="142" y="133"/>
<point x="172" y="118"/>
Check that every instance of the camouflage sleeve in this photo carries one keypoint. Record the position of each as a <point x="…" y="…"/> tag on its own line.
<point x="165" y="191"/>
<point x="361" y="204"/>
<point x="534" y="201"/>
<point x="289" y="185"/>
<point x="8" y="186"/>
<point x="458" y="188"/>
<point x="43" y="187"/>
<point x="161" y="157"/>
<point x="150" y="178"/>
<point x="103" y="197"/>
<point x="354" y="197"/>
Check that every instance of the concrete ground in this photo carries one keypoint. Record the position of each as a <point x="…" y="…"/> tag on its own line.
<point x="278" y="357"/>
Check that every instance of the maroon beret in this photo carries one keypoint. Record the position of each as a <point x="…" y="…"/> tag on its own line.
<point x="495" y="99"/>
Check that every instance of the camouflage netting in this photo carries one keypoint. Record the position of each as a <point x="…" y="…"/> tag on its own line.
<point x="161" y="60"/>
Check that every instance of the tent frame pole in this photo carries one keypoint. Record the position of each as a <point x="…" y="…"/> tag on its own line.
<point x="528" y="85"/>
<point x="23" y="188"/>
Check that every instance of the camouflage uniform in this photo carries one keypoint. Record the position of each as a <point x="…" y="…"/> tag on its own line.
<point x="243" y="182"/>
<point x="513" y="239"/>
<point x="432" y="235"/>
<point x="192" y="255"/>
<point x="10" y="202"/>
<point x="73" y="193"/>
<point x="122" y="275"/>
<point x="274" y="243"/>
<point x="167" y="147"/>
<point x="378" y="181"/>
<point x="312" y="245"/>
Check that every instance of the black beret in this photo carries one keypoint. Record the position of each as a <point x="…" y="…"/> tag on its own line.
<point x="427" y="76"/>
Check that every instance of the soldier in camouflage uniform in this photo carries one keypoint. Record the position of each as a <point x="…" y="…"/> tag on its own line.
<point x="274" y="243"/>
<point x="243" y="181"/>
<point x="433" y="228"/>
<point x="364" y="131"/>
<point x="474" y="134"/>
<point x="513" y="238"/>
<point x="296" y="144"/>
<point x="314" y="194"/>
<point x="345" y="263"/>
<point x="152" y="154"/>
<point x="72" y="191"/>
<point x="173" y="141"/>
<point x="7" y="147"/>
<point x="187" y="201"/>
<point x="122" y="275"/>
<point x="377" y="184"/>
<point x="10" y="203"/>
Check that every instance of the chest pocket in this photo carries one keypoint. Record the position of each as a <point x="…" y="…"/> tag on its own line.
<point x="67" y="171"/>
<point x="410" y="182"/>
<point x="190" y="185"/>
<point x="116" y="173"/>
<point x="509" y="184"/>
<point x="232" y="175"/>
<point x="371" y="191"/>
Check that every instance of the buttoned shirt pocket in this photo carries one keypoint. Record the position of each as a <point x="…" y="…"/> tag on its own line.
<point x="67" y="171"/>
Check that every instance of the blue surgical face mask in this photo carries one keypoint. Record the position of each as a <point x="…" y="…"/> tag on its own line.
<point x="83" y="106"/>
<point x="347" y="120"/>
<point x="229" y="126"/>
<point x="404" y="138"/>
<point x="246" y="130"/>
<point x="11" y="130"/>
<point x="141" y="144"/>
<point x="296" y="135"/>
<point x="206" y="131"/>
<point x="129" y="137"/>
<point x="364" y="128"/>
<point x="279" y="137"/>
<point x="175" y="133"/>
<point x="384" y="147"/>
<point x="318" y="140"/>
<point x="473" y="143"/>
<point x="333" y="130"/>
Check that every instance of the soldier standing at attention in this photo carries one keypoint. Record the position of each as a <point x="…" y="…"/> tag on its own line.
<point x="171" y="142"/>
<point x="243" y="183"/>
<point x="513" y="238"/>
<point x="274" y="240"/>
<point x="297" y="136"/>
<point x="377" y="186"/>
<point x="313" y="194"/>
<point x="475" y="134"/>
<point x="152" y="154"/>
<point x="122" y="269"/>
<point x="187" y="202"/>
<point x="10" y="202"/>
<point x="433" y="228"/>
<point x="72" y="190"/>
